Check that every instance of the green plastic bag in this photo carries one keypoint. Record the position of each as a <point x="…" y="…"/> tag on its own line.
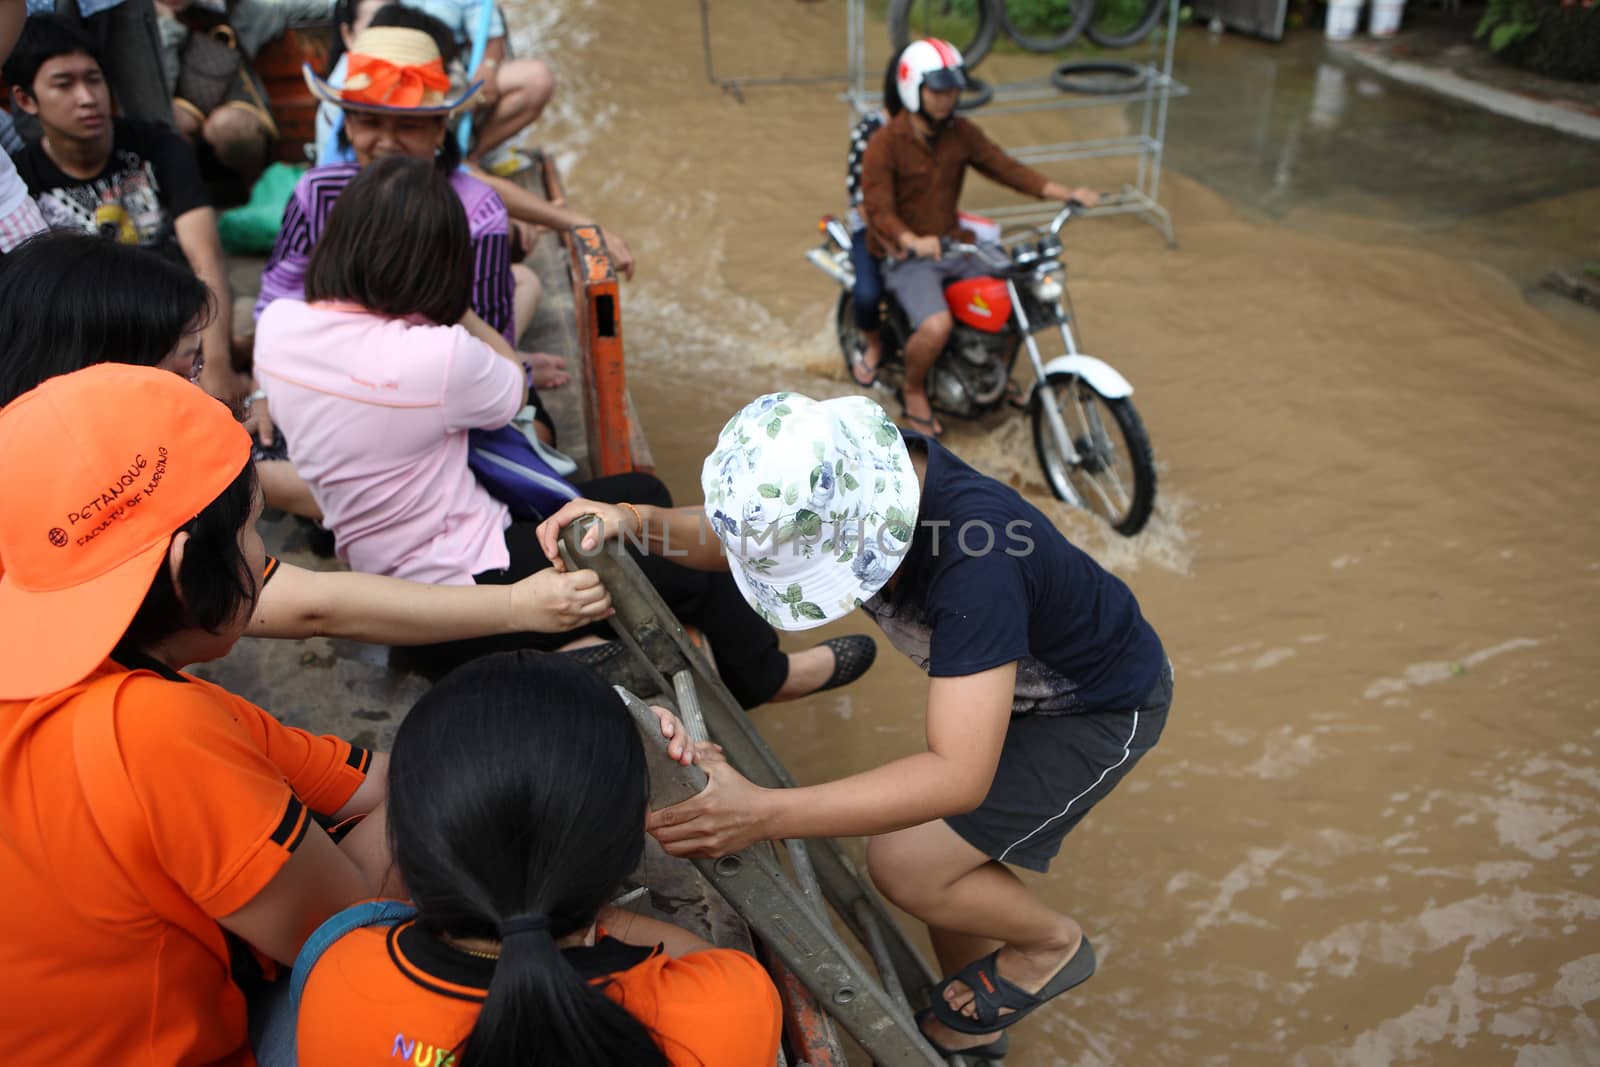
<point x="253" y="228"/>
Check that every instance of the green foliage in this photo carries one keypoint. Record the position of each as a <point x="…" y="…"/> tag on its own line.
<point x="1566" y="45"/>
<point x="1505" y="22"/>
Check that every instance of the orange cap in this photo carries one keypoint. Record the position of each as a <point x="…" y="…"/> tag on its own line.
<point x="98" y="469"/>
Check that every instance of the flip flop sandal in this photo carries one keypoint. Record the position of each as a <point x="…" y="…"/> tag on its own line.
<point x="923" y="425"/>
<point x="851" y="657"/>
<point x="860" y="363"/>
<point x="991" y="992"/>
<point x="994" y="1050"/>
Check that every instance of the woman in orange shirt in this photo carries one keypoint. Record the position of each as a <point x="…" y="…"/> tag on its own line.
<point x="517" y="797"/>
<point x="160" y="838"/>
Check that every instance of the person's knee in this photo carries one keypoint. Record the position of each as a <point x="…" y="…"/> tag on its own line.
<point x="897" y="870"/>
<point x="186" y="120"/>
<point x="525" y="282"/>
<point x="526" y="85"/>
<point x="233" y="132"/>
<point x="531" y="76"/>
<point x="936" y="327"/>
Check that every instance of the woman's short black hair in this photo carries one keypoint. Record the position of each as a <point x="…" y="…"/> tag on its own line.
<point x="44" y="37"/>
<point x="517" y="786"/>
<point x="214" y="577"/>
<point x="397" y="243"/>
<point x="70" y="299"/>
<point x="394" y="14"/>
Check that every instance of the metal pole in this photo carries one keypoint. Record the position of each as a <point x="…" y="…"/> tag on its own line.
<point x="790" y="926"/>
<point x="1166" y="94"/>
<point x="647" y="626"/>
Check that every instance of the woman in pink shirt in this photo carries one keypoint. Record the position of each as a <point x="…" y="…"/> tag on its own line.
<point x="377" y="393"/>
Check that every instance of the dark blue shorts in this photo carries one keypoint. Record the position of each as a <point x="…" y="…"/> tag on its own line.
<point x="1053" y="770"/>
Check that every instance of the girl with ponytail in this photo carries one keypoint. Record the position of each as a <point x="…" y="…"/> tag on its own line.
<point x="518" y="793"/>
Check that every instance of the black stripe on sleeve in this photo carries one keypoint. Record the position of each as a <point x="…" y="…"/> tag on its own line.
<point x="292" y="827"/>
<point x="359" y="758"/>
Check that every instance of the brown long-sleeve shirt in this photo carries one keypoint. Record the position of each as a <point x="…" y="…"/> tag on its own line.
<point x="911" y="186"/>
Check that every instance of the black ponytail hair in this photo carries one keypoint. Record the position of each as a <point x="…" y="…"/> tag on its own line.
<point x="517" y="794"/>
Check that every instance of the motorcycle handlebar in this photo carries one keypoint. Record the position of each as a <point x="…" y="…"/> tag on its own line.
<point x="949" y="246"/>
<point x="1069" y="209"/>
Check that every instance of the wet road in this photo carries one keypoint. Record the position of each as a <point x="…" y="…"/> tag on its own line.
<point x="1370" y="834"/>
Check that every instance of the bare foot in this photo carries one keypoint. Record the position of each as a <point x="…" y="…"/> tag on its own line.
<point x="1027" y="967"/>
<point x="808" y="671"/>
<point x="549" y="372"/>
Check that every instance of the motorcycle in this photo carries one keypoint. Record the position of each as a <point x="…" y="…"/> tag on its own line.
<point x="1091" y="443"/>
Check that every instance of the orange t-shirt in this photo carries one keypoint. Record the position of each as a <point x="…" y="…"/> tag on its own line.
<point x="90" y="973"/>
<point x="389" y="994"/>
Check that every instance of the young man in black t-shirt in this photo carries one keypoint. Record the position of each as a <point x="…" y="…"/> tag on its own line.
<point x="134" y="182"/>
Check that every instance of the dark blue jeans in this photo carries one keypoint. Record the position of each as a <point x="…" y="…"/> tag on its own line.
<point x="869" y="282"/>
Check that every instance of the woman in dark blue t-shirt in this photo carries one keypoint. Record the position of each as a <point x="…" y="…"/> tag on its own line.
<point x="1046" y="683"/>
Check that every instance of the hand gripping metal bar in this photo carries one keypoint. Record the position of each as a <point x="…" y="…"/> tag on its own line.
<point x="789" y="926"/>
<point x="648" y="628"/>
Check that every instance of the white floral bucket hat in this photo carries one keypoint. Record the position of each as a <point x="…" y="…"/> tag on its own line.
<point x="814" y="502"/>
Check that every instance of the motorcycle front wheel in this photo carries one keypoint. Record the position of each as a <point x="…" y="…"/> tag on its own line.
<point x="1115" y="473"/>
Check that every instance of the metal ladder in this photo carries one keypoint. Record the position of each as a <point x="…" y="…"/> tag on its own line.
<point x="788" y="915"/>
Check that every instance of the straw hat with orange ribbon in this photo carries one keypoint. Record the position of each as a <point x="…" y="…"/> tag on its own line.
<point x="393" y="70"/>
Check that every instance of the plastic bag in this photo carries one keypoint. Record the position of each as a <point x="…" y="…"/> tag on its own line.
<point x="253" y="228"/>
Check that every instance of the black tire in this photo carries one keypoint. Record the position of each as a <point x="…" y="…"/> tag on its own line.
<point x="906" y="25"/>
<point x="1082" y="11"/>
<point x="1107" y="36"/>
<point x="1105" y="77"/>
<point x="977" y="94"/>
<point x="1101" y="478"/>
<point x="844" y="325"/>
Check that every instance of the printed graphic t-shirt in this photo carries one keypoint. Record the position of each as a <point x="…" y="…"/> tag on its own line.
<point x="385" y="994"/>
<point x="989" y="580"/>
<point x="91" y="972"/>
<point x="150" y="181"/>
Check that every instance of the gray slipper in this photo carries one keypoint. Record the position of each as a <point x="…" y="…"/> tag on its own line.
<point x="991" y="992"/>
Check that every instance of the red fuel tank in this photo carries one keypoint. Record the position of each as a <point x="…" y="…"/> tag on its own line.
<point x="981" y="303"/>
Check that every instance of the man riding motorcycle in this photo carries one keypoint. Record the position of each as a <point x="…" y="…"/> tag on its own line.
<point x="911" y="179"/>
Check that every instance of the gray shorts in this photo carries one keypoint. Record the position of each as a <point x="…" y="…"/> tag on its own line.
<point x="1053" y="770"/>
<point x="918" y="283"/>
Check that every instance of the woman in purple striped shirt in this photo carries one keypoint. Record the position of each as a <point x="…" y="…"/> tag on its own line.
<point x="396" y="101"/>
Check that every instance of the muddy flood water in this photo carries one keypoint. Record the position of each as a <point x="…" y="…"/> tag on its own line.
<point x="1371" y="832"/>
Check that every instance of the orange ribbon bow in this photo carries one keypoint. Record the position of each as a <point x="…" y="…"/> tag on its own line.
<point x="391" y="84"/>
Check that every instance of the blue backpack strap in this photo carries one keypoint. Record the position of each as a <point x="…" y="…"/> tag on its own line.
<point x="367" y="913"/>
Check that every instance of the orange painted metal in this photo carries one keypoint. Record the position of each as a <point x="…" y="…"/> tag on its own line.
<point x="806" y="1026"/>
<point x="600" y="333"/>
<point x="608" y="415"/>
<point x="293" y="106"/>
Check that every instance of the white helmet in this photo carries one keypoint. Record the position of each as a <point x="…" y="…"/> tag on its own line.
<point x="931" y="62"/>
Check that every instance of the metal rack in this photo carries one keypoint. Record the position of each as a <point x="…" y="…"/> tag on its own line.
<point x="1140" y="197"/>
